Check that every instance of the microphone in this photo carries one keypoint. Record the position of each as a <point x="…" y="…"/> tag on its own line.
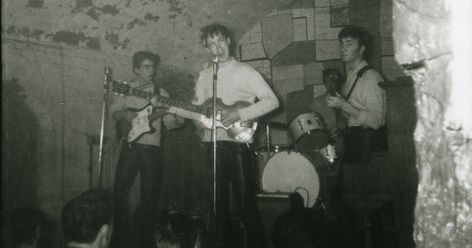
<point x="108" y="72"/>
<point x="215" y="66"/>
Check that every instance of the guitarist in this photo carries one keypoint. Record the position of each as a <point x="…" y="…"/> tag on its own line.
<point x="236" y="82"/>
<point x="143" y="155"/>
<point x="361" y="100"/>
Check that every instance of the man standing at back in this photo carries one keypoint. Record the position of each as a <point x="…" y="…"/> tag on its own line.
<point x="236" y="82"/>
<point x="362" y="101"/>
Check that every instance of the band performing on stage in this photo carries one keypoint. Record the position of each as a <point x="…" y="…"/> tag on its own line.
<point x="231" y="111"/>
<point x="236" y="124"/>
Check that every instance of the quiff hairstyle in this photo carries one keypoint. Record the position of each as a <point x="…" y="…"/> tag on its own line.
<point x="359" y="34"/>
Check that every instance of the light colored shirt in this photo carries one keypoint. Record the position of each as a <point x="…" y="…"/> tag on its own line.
<point x="122" y="103"/>
<point x="236" y="82"/>
<point x="367" y="96"/>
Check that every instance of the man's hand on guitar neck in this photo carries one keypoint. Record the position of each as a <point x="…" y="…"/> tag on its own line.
<point x="154" y="101"/>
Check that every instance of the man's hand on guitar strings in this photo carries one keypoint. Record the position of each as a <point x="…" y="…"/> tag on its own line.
<point x="335" y="101"/>
<point x="229" y="117"/>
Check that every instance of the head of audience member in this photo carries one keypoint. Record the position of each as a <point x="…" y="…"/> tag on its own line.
<point x="291" y="233"/>
<point x="197" y="236"/>
<point x="218" y="41"/>
<point x="354" y="44"/>
<point x="145" y="65"/>
<point x="176" y="230"/>
<point x="24" y="227"/>
<point x="332" y="79"/>
<point x="87" y="220"/>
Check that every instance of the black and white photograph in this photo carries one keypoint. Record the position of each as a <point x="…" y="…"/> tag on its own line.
<point x="236" y="124"/>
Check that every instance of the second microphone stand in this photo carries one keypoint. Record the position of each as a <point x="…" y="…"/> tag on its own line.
<point x="213" y="130"/>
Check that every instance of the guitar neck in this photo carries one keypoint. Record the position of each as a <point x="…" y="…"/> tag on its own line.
<point x="166" y="100"/>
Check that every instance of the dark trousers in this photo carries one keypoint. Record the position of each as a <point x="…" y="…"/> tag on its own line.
<point x="359" y="143"/>
<point x="147" y="160"/>
<point x="235" y="167"/>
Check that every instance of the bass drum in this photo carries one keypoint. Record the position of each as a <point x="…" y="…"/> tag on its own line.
<point x="288" y="172"/>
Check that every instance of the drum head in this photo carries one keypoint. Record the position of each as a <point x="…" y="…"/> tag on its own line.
<point x="287" y="172"/>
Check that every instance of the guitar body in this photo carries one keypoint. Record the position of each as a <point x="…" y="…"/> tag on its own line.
<point x="240" y="131"/>
<point x="139" y="126"/>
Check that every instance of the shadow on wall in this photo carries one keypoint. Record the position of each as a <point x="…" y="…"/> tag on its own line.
<point x="179" y="83"/>
<point x="20" y="136"/>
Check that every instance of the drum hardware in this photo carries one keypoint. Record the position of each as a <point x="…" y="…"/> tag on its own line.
<point x="328" y="152"/>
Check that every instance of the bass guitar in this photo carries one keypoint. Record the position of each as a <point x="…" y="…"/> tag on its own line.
<point x="240" y="131"/>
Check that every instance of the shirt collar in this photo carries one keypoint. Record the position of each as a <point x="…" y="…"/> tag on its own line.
<point x="357" y="69"/>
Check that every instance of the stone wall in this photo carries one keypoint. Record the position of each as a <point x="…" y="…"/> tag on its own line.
<point x="423" y="46"/>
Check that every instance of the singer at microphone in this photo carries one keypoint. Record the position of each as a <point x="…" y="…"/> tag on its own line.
<point x="237" y="83"/>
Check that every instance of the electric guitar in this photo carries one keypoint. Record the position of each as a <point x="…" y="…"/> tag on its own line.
<point x="239" y="131"/>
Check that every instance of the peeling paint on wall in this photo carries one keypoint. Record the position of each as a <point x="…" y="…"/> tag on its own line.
<point x="135" y="22"/>
<point x="82" y="4"/>
<point x="35" y="4"/>
<point x="24" y="31"/>
<point x="94" y="11"/>
<point x="114" y="40"/>
<point x="93" y="14"/>
<point x="151" y="17"/>
<point x="110" y="9"/>
<point x="93" y="43"/>
<point x="75" y="39"/>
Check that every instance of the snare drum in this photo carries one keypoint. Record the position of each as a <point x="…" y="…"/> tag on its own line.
<point x="287" y="172"/>
<point x="309" y="132"/>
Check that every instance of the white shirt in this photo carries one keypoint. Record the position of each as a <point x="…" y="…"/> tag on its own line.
<point x="367" y="96"/>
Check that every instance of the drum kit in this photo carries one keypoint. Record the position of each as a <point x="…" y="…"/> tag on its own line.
<point x="301" y="166"/>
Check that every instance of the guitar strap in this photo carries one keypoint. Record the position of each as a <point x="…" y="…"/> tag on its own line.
<point x="359" y="75"/>
<point x="343" y="116"/>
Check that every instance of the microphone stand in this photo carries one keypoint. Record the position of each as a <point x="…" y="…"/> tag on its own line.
<point x="213" y="130"/>
<point x="107" y="80"/>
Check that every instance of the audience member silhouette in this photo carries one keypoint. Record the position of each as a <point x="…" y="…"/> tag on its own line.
<point x="87" y="220"/>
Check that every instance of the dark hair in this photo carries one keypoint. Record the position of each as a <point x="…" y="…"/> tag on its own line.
<point x="214" y="29"/>
<point x="175" y="228"/>
<point x="83" y="216"/>
<point x="21" y="224"/>
<point x="139" y="57"/>
<point x="359" y="34"/>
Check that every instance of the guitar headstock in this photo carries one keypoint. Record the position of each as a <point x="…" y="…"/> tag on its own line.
<point x="121" y="88"/>
<point x="332" y="79"/>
